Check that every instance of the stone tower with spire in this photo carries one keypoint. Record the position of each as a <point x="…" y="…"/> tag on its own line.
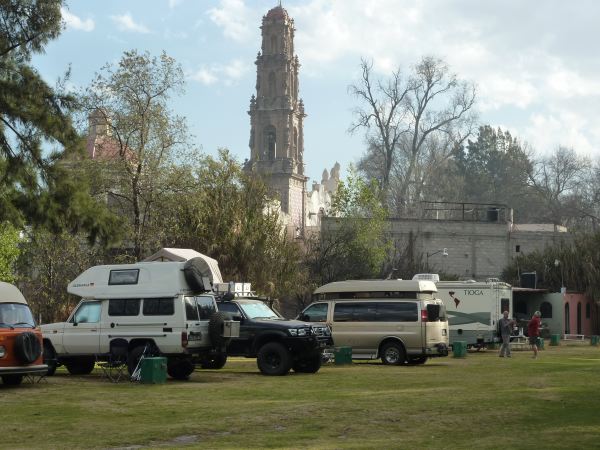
<point x="277" y="115"/>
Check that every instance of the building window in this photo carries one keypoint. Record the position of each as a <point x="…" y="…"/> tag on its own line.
<point x="588" y="310"/>
<point x="270" y="142"/>
<point x="546" y="310"/>
<point x="567" y="319"/>
<point x="273" y="44"/>
<point x="517" y="248"/>
<point x="579" y="318"/>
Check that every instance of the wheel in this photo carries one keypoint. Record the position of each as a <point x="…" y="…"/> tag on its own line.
<point x="274" y="359"/>
<point x="50" y="359"/>
<point x="216" y="361"/>
<point x="392" y="353"/>
<point x="81" y="366"/>
<point x="133" y="358"/>
<point x="27" y="347"/>
<point x="180" y="369"/>
<point x="417" y="360"/>
<point x="12" y="380"/>
<point x="310" y="364"/>
<point x="215" y="329"/>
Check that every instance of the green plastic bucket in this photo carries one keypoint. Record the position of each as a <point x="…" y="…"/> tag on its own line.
<point x="459" y="349"/>
<point x="342" y="355"/>
<point x="153" y="370"/>
<point x="595" y="340"/>
<point x="554" y="340"/>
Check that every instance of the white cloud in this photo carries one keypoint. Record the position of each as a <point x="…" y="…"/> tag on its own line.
<point x="234" y="17"/>
<point x="75" y="22"/>
<point x="227" y="74"/>
<point x="174" y="3"/>
<point x="126" y="23"/>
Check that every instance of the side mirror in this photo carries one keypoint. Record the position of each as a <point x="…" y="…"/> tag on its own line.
<point x="238" y="318"/>
<point x="302" y="317"/>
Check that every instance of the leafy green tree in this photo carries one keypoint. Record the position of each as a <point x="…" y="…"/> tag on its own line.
<point x="353" y="241"/>
<point x="495" y="169"/>
<point x="47" y="264"/>
<point x="575" y="265"/>
<point x="137" y="140"/>
<point x="230" y="216"/>
<point x="9" y="252"/>
<point x="35" y="185"/>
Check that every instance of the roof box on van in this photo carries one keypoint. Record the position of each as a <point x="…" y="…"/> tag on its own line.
<point x="427" y="277"/>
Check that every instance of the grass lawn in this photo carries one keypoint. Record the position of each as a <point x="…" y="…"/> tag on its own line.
<point x="481" y="401"/>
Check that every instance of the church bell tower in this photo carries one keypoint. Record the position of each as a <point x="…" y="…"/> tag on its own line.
<point x="277" y="115"/>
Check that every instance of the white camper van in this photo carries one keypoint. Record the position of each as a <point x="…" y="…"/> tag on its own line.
<point x="473" y="307"/>
<point x="167" y="308"/>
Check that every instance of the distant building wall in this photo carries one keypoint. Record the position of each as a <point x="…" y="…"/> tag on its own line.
<point x="476" y="250"/>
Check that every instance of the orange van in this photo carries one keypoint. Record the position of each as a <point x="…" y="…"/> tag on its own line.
<point x="20" y="338"/>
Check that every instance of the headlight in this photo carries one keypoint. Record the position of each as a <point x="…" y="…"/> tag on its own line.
<point x="2" y="351"/>
<point x="297" y="331"/>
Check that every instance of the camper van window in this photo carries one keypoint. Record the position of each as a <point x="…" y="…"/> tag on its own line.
<point x="124" y="276"/>
<point x="88" y="312"/>
<point x="191" y="312"/>
<point x="365" y="294"/>
<point x="355" y="312"/>
<point x="159" y="306"/>
<point x="124" y="307"/>
<point x="206" y="307"/>
<point x="397" y="312"/>
<point x="316" y="313"/>
<point x="436" y="313"/>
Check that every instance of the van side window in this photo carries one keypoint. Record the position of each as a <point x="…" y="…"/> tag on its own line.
<point x="315" y="313"/>
<point x="355" y="312"/>
<point x="206" y="307"/>
<point x="159" y="306"/>
<point x="124" y="307"/>
<point x="88" y="312"/>
<point x="191" y="312"/>
<point x="397" y="312"/>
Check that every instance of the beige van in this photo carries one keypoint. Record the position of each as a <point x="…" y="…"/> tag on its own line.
<point x="395" y="320"/>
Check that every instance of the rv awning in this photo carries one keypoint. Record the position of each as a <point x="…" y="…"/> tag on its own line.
<point x="184" y="254"/>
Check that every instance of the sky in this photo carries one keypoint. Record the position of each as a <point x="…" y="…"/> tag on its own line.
<point x="535" y="63"/>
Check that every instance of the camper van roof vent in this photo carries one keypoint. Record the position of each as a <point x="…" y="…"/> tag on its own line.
<point x="427" y="277"/>
<point x="492" y="280"/>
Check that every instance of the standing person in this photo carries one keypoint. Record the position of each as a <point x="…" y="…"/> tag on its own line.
<point x="506" y="325"/>
<point x="533" y="331"/>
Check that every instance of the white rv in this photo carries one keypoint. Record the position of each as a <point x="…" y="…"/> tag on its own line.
<point x="473" y="307"/>
<point x="167" y="308"/>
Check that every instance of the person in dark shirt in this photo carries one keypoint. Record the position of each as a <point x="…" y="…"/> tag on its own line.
<point x="505" y="325"/>
<point x="533" y="331"/>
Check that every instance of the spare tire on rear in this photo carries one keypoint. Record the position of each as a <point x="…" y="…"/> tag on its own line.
<point x="27" y="347"/>
<point x="198" y="275"/>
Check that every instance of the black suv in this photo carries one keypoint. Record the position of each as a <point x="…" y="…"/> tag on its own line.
<point x="277" y="344"/>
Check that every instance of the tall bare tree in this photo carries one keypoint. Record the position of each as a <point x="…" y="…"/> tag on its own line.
<point x="560" y="180"/>
<point x="410" y="121"/>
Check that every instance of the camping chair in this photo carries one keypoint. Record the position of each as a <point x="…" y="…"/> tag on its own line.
<point x="116" y="364"/>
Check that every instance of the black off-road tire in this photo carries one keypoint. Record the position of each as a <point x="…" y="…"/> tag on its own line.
<point x="27" y="347"/>
<point x="180" y="369"/>
<point x="12" y="380"/>
<point x="393" y="353"/>
<point x="216" y="361"/>
<point x="309" y="364"/>
<point x="50" y="359"/>
<point x="274" y="359"/>
<point x="81" y="366"/>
